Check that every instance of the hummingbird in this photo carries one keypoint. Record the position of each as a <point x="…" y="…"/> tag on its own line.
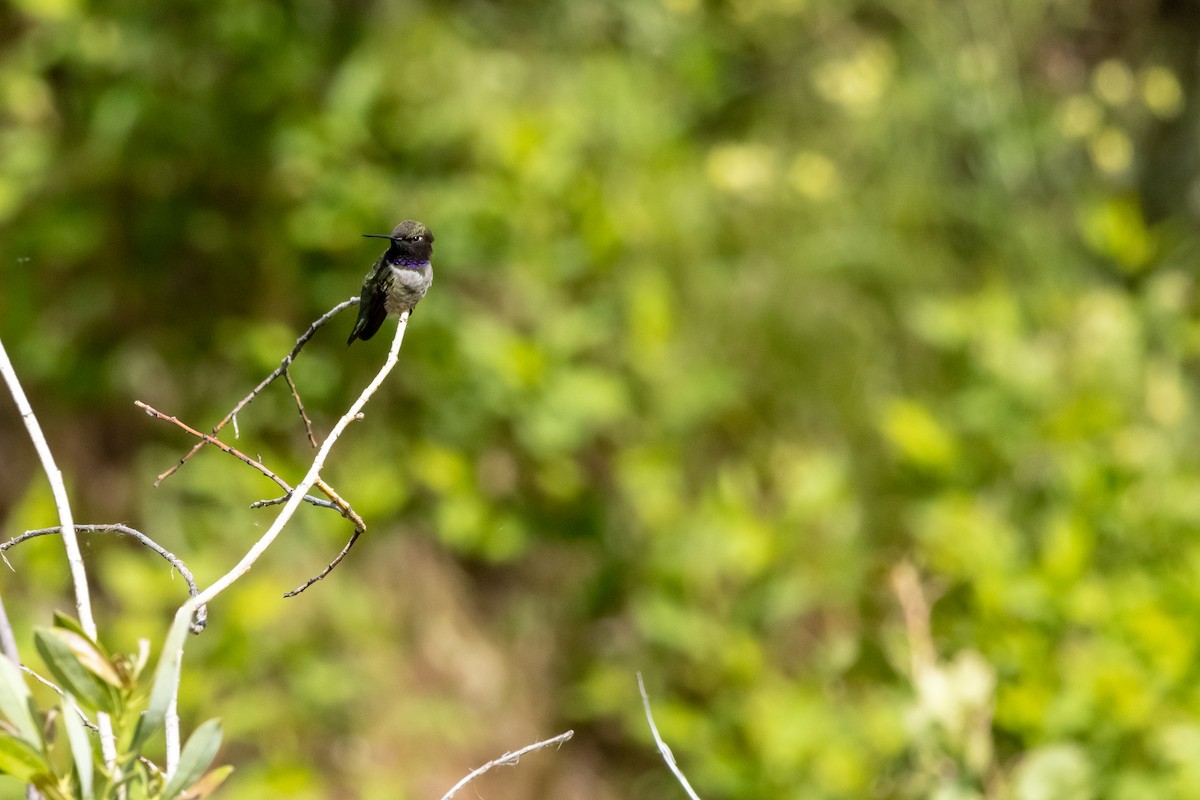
<point x="399" y="279"/>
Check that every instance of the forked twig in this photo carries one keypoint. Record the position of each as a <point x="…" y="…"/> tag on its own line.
<point x="245" y="401"/>
<point x="240" y="456"/>
<point x="662" y="746"/>
<point x="507" y="760"/>
<point x="335" y="502"/>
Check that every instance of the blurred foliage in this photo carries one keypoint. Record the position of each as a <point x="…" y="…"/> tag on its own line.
<point x="740" y="308"/>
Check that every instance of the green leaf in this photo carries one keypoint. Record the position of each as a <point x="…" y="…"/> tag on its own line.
<point x="197" y="755"/>
<point x="206" y="785"/>
<point x="166" y="676"/>
<point x="73" y="677"/>
<point x="92" y="657"/>
<point x="61" y="620"/>
<point x="15" y="702"/>
<point x="81" y="748"/>
<point x="22" y="761"/>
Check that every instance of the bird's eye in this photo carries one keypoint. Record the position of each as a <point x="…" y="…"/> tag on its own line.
<point x="412" y="238"/>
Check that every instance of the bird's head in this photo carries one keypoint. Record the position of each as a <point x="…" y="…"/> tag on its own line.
<point x="411" y="242"/>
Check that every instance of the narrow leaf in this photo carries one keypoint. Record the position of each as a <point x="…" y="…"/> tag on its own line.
<point x="65" y="622"/>
<point x="166" y="677"/>
<point x="72" y="676"/>
<point x="89" y="654"/>
<point x="206" y="785"/>
<point x="14" y="702"/>
<point x="198" y="754"/>
<point x="19" y="759"/>
<point x="143" y="656"/>
<point x="81" y="748"/>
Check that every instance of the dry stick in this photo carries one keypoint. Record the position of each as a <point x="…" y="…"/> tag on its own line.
<point x="360" y="527"/>
<point x="662" y="746"/>
<point x="245" y="401"/>
<point x="328" y="567"/>
<point x="336" y="502"/>
<point x="287" y="376"/>
<point x="233" y="451"/>
<point x="341" y="505"/>
<point x="83" y="602"/>
<point x="119" y="528"/>
<point x="507" y="760"/>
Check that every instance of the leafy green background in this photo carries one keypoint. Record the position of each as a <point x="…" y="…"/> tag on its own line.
<point x="756" y="324"/>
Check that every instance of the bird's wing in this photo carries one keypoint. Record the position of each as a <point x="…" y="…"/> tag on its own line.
<point x="372" y="308"/>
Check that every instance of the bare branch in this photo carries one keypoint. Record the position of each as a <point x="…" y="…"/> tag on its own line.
<point x="285" y="515"/>
<point x="278" y="501"/>
<point x="508" y="760"/>
<point x="360" y="527"/>
<point x="287" y="375"/>
<point x="314" y="472"/>
<point x="245" y="401"/>
<point x="328" y="568"/>
<point x="662" y="746"/>
<point x="252" y="462"/>
<point x="124" y="530"/>
<point x="83" y="602"/>
<point x="215" y="442"/>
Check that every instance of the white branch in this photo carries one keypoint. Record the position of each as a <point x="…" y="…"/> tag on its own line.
<point x="83" y="603"/>
<point x="506" y="760"/>
<point x="662" y="746"/>
<point x="285" y="516"/>
<point x="314" y="472"/>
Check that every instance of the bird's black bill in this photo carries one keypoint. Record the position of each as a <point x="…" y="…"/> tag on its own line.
<point x="380" y="236"/>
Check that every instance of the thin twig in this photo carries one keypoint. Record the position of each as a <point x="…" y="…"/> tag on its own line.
<point x="83" y="602"/>
<point x="287" y="376"/>
<point x="215" y="442"/>
<point x="341" y="505"/>
<point x="360" y="527"/>
<point x="507" y="760"/>
<point x="239" y="455"/>
<point x="662" y="746"/>
<point x="245" y="401"/>
<point x="328" y="568"/>
<point x="86" y="722"/>
<point x="119" y="528"/>
<point x="283" y="498"/>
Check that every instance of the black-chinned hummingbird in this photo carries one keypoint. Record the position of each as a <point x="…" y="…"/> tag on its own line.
<point x="398" y="280"/>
